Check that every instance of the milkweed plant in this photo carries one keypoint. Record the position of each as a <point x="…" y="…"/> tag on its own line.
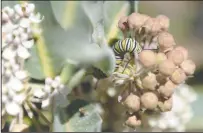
<point x="91" y="66"/>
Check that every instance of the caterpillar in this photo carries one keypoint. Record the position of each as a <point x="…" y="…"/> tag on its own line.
<point x="122" y="47"/>
<point x="127" y="45"/>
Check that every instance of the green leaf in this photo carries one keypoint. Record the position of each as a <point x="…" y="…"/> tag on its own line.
<point x="59" y="45"/>
<point x="66" y="12"/>
<point x="71" y="119"/>
<point x="35" y="70"/>
<point x="113" y="10"/>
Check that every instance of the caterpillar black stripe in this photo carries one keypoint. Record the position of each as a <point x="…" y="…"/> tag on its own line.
<point x="127" y="45"/>
<point x="122" y="47"/>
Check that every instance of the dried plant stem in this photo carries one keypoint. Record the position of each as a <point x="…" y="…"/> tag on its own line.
<point x="39" y="112"/>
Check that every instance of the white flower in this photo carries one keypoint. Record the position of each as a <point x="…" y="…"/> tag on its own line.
<point x="28" y="44"/>
<point x="8" y="72"/>
<point x="21" y="74"/>
<point x="25" y="22"/>
<point x="29" y="9"/>
<point x="36" y="18"/>
<point x="8" y="38"/>
<point x="15" y="67"/>
<point x="39" y="93"/>
<point x="48" y="81"/>
<point x="10" y="12"/>
<point x="45" y="103"/>
<point x="18" y="10"/>
<point x="4" y="44"/>
<point x="17" y="41"/>
<point x="55" y="84"/>
<point x="23" y="52"/>
<point x="5" y="16"/>
<point x="8" y="53"/>
<point x="24" y="37"/>
<point x="9" y="27"/>
<point x="15" y="84"/>
<point x="13" y="108"/>
<point x="16" y="30"/>
<point x="19" y="98"/>
<point x="4" y="98"/>
<point x="47" y="89"/>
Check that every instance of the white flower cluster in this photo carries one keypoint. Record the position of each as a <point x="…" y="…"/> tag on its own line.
<point x="181" y="113"/>
<point x="51" y="88"/>
<point x="17" y="40"/>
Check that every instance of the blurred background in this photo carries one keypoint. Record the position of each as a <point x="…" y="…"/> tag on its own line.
<point x="186" y="25"/>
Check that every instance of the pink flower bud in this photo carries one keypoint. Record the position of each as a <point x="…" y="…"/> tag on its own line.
<point x="136" y="20"/>
<point x="122" y="23"/>
<point x="166" y="41"/>
<point x="167" y="67"/>
<point x="176" y="56"/>
<point x="188" y="67"/>
<point x="166" y="105"/>
<point x="133" y="122"/>
<point x="164" y="22"/>
<point x="152" y="26"/>
<point x="178" y="76"/>
<point x="132" y="103"/>
<point x="168" y="89"/>
<point x="183" y="50"/>
<point x="160" y="57"/>
<point x="147" y="58"/>
<point x="149" y="100"/>
<point x="149" y="81"/>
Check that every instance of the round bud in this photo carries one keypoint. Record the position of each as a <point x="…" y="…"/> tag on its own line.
<point x="168" y="89"/>
<point x="178" y="76"/>
<point x="188" y="67"/>
<point x="160" y="57"/>
<point x="164" y="22"/>
<point x="149" y="100"/>
<point x="176" y="56"/>
<point x="149" y="82"/>
<point x="132" y="122"/>
<point x="132" y="102"/>
<point x="156" y="27"/>
<point x="148" y="25"/>
<point x="147" y="58"/>
<point x="166" y="105"/>
<point x="122" y="23"/>
<point x="167" y="67"/>
<point x="136" y="20"/>
<point x="166" y="41"/>
<point x="183" y="50"/>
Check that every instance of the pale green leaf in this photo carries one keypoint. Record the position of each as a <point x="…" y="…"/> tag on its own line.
<point x="71" y="119"/>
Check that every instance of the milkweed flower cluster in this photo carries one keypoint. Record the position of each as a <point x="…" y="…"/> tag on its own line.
<point x="17" y="39"/>
<point x="149" y="81"/>
<point x="180" y="114"/>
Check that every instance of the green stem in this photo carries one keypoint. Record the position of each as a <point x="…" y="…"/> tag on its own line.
<point x="67" y="72"/>
<point x="36" y="124"/>
<point x="136" y="5"/>
<point x="76" y="79"/>
<point x="40" y="113"/>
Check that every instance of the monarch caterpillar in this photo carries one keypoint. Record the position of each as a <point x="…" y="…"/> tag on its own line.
<point x="122" y="47"/>
<point x="127" y="45"/>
